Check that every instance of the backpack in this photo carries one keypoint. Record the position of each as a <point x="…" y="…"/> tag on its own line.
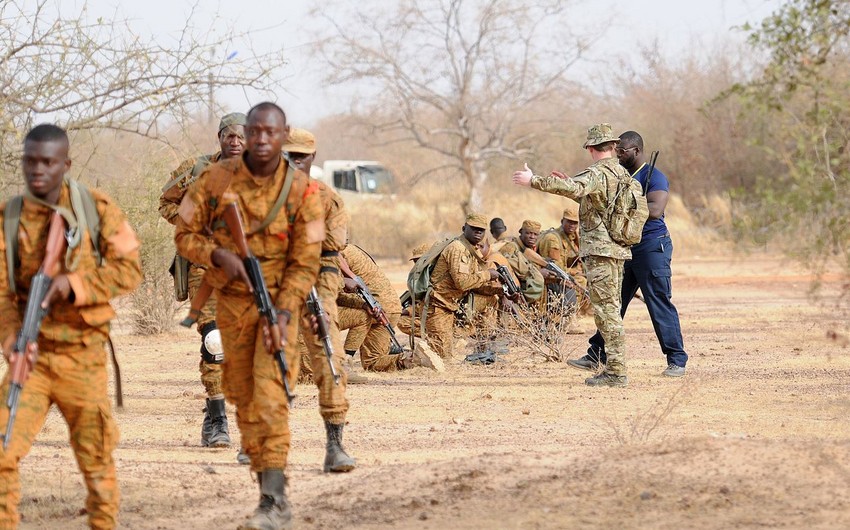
<point x="419" y="282"/>
<point x="628" y="212"/>
<point x="84" y="207"/>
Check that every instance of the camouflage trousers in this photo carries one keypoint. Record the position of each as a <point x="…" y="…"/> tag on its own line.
<point x="314" y="362"/>
<point x="370" y="337"/>
<point x="210" y="372"/>
<point x="252" y="381"/>
<point x="439" y="330"/>
<point x="76" y="382"/>
<point x="605" y="280"/>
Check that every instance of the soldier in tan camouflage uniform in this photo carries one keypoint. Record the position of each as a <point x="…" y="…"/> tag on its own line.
<point x="367" y="334"/>
<point x="231" y="138"/>
<point x="300" y="150"/>
<point x="71" y="367"/>
<point x="288" y="248"/>
<point x="517" y="252"/>
<point x="561" y="245"/>
<point x="603" y="258"/>
<point x="459" y="269"/>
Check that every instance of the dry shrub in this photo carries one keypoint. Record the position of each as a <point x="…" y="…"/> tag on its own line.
<point x="639" y="427"/>
<point x="542" y="333"/>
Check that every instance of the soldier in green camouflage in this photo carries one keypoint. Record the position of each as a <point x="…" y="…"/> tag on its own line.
<point x="594" y="188"/>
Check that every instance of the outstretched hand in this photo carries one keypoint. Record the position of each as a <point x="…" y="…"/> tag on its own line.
<point x="523" y="177"/>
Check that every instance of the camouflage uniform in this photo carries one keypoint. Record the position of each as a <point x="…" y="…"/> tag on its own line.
<point x="169" y="202"/>
<point x="332" y="402"/>
<point x="531" y="280"/>
<point x="288" y="251"/>
<point x="374" y="345"/>
<point x="603" y="258"/>
<point x="459" y="269"/>
<point x="563" y="249"/>
<point x="71" y="367"/>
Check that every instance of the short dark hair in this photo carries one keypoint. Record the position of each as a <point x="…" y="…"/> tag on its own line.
<point x="633" y="138"/>
<point x="46" y="132"/>
<point x="266" y="105"/>
<point x="496" y="221"/>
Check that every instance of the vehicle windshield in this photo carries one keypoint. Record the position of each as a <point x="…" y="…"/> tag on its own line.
<point x="376" y="179"/>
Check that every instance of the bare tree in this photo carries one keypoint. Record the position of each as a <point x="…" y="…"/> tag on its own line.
<point x="462" y="79"/>
<point x="102" y="74"/>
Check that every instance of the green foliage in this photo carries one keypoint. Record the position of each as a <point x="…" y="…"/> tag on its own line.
<point x="801" y="97"/>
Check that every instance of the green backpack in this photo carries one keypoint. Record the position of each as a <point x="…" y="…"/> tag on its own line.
<point x="84" y="208"/>
<point x="627" y="213"/>
<point x="419" y="281"/>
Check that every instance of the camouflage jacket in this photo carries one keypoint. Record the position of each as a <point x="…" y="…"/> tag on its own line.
<point x="288" y="249"/>
<point x="563" y="249"/>
<point x="85" y="321"/>
<point x="186" y="173"/>
<point x="594" y="191"/>
<point x="362" y="265"/>
<point x="459" y="269"/>
<point x="531" y="280"/>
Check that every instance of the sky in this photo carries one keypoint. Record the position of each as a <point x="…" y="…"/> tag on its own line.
<point x="676" y="25"/>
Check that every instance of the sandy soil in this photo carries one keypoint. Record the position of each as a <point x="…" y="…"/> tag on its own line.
<point x="756" y="434"/>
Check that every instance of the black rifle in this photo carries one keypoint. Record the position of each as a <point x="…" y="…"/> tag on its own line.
<point x="509" y="286"/>
<point x="26" y="343"/>
<point x="314" y="305"/>
<point x="567" y="278"/>
<point x="375" y="309"/>
<point x="262" y="298"/>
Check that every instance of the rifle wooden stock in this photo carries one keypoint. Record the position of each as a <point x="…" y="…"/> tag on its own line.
<point x="26" y="343"/>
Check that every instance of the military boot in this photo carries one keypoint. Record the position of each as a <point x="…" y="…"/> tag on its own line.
<point x="336" y="459"/>
<point x="218" y="433"/>
<point x="206" y="427"/>
<point x="607" y="379"/>
<point x="273" y="513"/>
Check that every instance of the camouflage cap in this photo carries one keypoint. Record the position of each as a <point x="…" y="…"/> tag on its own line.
<point x="234" y="118"/>
<point x="419" y="251"/>
<point x="599" y="134"/>
<point x="531" y="226"/>
<point x="476" y="220"/>
<point x="571" y="211"/>
<point x="300" y="141"/>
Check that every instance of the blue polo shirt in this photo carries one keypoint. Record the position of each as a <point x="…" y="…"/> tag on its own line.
<point x="653" y="228"/>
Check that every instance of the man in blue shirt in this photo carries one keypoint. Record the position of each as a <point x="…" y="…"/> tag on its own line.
<point x="649" y="268"/>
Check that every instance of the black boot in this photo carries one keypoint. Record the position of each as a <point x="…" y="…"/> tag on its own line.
<point x="206" y="427"/>
<point x="336" y="459"/>
<point x="218" y="433"/>
<point x="273" y="513"/>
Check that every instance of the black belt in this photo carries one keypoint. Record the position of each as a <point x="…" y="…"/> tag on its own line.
<point x="329" y="253"/>
<point x="327" y="268"/>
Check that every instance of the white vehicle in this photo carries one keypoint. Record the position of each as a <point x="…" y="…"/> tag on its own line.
<point x="362" y="177"/>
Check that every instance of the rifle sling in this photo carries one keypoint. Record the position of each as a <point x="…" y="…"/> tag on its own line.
<point x="11" y="218"/>
<point x="278" y="204"/>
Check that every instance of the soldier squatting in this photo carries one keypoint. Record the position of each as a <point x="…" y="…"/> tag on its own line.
<point x="254" y="231"/>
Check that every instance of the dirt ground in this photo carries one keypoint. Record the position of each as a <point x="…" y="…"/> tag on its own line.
<point x="755" y="435"/>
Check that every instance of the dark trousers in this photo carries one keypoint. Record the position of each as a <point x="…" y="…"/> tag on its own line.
<point x="649" y="270"/>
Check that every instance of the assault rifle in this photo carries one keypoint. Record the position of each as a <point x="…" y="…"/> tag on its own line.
<point x="375" y="308"/>
<point x="26" y="343"/>
<point x="567" y="278"/>
<point x="509" y="286"/>
<point x="262" y="298"/>
<point x="314" y="305"/>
